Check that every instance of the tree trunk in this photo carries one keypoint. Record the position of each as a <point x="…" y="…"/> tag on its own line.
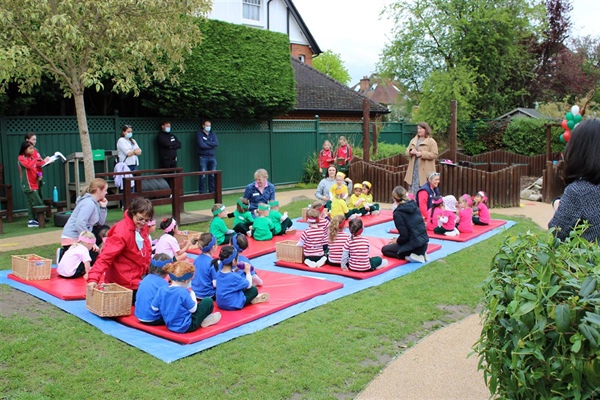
<point x="84" y="136"/>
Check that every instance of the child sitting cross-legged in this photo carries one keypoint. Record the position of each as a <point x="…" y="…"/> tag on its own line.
<point x="218" y="226"/>
<point x="168" y="244"/>
<point x="263" y="225"/>
<point x="75" y="262"/>
<point x="337" y="240"/>
<point x="435" y="212"/>
<point x="148" y="288"/>
<point x="233" y="290"/>
<point x="204" y="281"/>
<point x="357" y="201"/>
<point x="464" y="222"/>
<point x="370" y="205"/>
<point x="355" y="255"/>
<point x="313" y="241"/>
<point x="240" y="243"/>
<point x="243" y="219"/>
<point x="178" y="305"/>
<point x="481" y="212"/>
<point x="447" y="222"/>
<point x="281" y="222"/>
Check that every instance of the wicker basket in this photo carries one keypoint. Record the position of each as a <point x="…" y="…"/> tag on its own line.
<point x="288" y="250"/>
<point x="109" y="300"/>
<point x="31" y="270"/>
<point x="188" y="235"/>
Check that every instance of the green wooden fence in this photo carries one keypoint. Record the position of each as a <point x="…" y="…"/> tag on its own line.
<point x="279" y="146"/>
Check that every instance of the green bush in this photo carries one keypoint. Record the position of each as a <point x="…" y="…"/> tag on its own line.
<point x="541" y="319"/>
<point x="312" y="172"/>
<point x="384" y="150"/>
<point x="527" y="136"/>
<point x="477" y="137"/>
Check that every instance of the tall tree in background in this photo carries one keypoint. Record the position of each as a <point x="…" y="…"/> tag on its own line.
<point x="331" y="64"/>
<point x="81" y="42"/>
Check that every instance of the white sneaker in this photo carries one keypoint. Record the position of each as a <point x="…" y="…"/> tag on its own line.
<point x="310" y="263"/>
<point x="211" y="319"/>
<point x="321" y="262"/>
<point x="261" y="298"/>
<point x="353" y="216"/>
<point x="249" y="233"/>
<point x="416" y="258"/>
<point x="453" y="232"/>
<point x="256" y="281"/>
<point x="426" y="256"/>
<point x="384" y="264"/>
<point x="290" y="231"/>
<point x="376" y="212"/>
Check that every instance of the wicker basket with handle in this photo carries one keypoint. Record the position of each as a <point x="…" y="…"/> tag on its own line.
<point x="31" y="267"/>
<point x="288" y="250"/>
<point x="191" y="236"/>
<point x="109" y="300"/>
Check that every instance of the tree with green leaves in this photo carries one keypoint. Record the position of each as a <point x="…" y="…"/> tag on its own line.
<point x="331" y="64"/>
<point x="82" y="42"/>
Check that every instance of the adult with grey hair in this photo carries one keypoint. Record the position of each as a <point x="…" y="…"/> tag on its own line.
<point x="259" y="191"/>
<point x="422" y="151"/>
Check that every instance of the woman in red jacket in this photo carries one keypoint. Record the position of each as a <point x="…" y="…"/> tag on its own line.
<point x="125" y="256"/>
<point x="29" y="179"/>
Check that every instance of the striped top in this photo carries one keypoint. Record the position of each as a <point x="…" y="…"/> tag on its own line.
<point x="324" y="225"/>
<point x="337" y="247"/>
<point x="313" y="239"/>
<point x="358" y="247"/>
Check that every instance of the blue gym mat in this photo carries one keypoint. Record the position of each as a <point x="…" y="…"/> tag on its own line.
<point x="169" y="351"/>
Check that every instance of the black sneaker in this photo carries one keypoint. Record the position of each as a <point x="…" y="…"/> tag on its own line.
<point x="33" y="224"/>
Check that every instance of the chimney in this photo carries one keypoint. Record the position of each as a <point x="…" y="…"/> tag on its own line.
<point x="365" y="85"/>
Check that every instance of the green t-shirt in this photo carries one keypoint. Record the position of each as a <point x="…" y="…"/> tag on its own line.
<point x="261" y="228"/>
<point x="276" y="218"/>
<point x="219" y="229"/>
<point x="242" y="218"/>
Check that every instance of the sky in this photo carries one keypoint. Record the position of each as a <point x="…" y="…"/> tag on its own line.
<point x="353" y="28"/>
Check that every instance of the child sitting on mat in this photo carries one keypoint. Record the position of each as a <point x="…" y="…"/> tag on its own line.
<point x="337" y="240"/>
<point x="168" y="244"/>
<point x="355" y="254"/>
<point x="243" y="219"/>
<point x="481" y="212"/>
<point x="313" y="240"/>
<point x="281" y="222"/>
<point x="370" y="205"/>
<point x="324" y="219"/>
<point x="435" y="213"/>
<point x="178" y="305"/>
<point x="148" y="288"/>
<point x="75" y="262"/>
<point x="263" y="228"/>
<point x="233" y="290"/>
<point x="204" y="281"/>
<point x="339" y="187"/>
<point x="447" y="222"/>
<point x="240" y="243"/>
<point x="465" y="214"/>
<point x="357" y="201"/>
<point x="217" y="225"/>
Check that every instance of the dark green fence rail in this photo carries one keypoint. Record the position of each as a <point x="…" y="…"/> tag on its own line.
<point x="279" y="146"/>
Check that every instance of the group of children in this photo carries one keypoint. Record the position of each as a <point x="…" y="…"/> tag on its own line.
<point x="450" y="217"/>
<point x="341" y="157"/>
<point x="360" y="203"/>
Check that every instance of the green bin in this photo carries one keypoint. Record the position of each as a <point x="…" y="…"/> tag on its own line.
<point x="98" y="155"/>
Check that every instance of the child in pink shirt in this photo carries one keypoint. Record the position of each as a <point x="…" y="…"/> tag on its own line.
<point x="481" y="212"/>
<point x="465" y="214"/>
<point x="76" y="260"/>
<point x="435" y="212"/>
<point x="447" y="222"/>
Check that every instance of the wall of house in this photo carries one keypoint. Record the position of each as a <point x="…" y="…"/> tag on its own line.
<point x="298" y="50"/>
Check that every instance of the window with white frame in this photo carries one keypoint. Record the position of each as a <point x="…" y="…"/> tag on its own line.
<point x="252" y="9"/>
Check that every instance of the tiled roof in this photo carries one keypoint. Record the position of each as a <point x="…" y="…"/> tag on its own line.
<point x="530" y="112"/>
<point x="316" y="91"/>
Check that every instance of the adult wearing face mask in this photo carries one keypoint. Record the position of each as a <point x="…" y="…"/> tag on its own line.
<point x="207" y="143"/>
<point x="128" y="149"/>
<point x="168" y="144"/>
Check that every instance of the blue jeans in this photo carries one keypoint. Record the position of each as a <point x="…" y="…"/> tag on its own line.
<point x="207" y="164"/>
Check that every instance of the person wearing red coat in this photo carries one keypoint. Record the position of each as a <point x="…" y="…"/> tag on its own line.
<point x="126" y="255"/>
<point x="28" y="165"/>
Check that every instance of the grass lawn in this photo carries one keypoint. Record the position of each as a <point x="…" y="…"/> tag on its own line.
<point x="330" y="352"/>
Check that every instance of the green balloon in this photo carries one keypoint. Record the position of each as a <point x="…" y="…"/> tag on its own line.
<point x="562" y="139"/>
<point x="577" y="118"/>
<point x="569" y="116"/>
<point x="570" y="124"/>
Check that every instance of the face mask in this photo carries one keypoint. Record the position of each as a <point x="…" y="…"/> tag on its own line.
<point x="139" y="240"/>
<point x="168" y="129"/>
<point x="207" y="128"/>
<point x="128" y="135"/>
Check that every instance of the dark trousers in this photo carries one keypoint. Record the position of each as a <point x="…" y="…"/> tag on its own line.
<point x="250" y="295"/>
<point x="80" y="271"/>
<point x="207" y="164"/>
<point x="285" y="225"/>
<point x="33" y="199"/>
<point x="168" y="163"/>
<point x="476" y="221"/>
<point x="204" y="309"/>
<point x="393" y="251"/>
<point x="241" y="228"/>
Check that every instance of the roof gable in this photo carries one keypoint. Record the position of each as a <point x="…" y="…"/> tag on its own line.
<point x="522" y="112"/>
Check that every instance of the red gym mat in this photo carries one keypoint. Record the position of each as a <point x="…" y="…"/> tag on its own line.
<point x="370" y="220"/>
<point x="478" y="230"/>
<point x="285" y="290"/>
<point x="375" y="250"/>
<point x="259" y="248"/>
<point x="65" y="289"/>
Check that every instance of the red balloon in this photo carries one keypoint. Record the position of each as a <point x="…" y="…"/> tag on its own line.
<point x="567" y="136"/>
<point x="564" y="125"/>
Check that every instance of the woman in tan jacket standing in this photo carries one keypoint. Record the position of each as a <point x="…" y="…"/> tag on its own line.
<point x="422" y="151"/>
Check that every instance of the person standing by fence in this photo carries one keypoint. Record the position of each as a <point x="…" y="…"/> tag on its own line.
<point x="207" y="144"/>
<point x="168" y="144"/>
<point x="422" y="151"/>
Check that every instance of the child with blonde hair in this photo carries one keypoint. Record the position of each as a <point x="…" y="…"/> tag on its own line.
<point x="337" y="240"/>
<point x="465" y="214"/>
<point x="281" y="222"/>
<point x="218" y="226"/>
<point x="263" y="228"/>
<point x="75" y="262"/>
<point x="343" y="154"/>
<point x="325" y="158"/>
<point x="178" y="305"/>
<point x="313" y="241"/>
<point x="148" y="288"/>
<point x="204" y="281"/>
<point x="234" y="291"/>
<point x="357" y="201"/>
<point x="481" y="212"/>
<point x="355" y="254"/>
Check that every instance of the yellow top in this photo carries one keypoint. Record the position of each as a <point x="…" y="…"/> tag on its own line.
<point x="353" y="201"/>
<point x="338" y="207"/>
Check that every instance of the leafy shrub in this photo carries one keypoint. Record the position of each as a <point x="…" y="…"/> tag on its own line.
<point x="384" y="150"/>
<point x="480" y="136"/>
<point x="312" y="172"/>
<point x="541" y="319"/>
<point x="527" y="136"/>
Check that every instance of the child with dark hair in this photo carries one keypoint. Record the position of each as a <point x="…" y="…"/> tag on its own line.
<point x="481" y="212"/>
<point x="337" y="240"/>
<point x="148" y="288"/>
<point x="435" y="212"/>
<point x="281" y="222"/>
<point x="29" y="180"/>
<point x="168" y="244"/>
<point x="370" y="206"/>
<point x="355" y="254"/>
<point x="204" y="281"/>
<point x="178" y="305"/>
<point x="233" y="290"/>
<point x="218" y="226"/>
<point x="313" y="240"/>
<point x="243" y="218"/>
<point x="240" y="243"/>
